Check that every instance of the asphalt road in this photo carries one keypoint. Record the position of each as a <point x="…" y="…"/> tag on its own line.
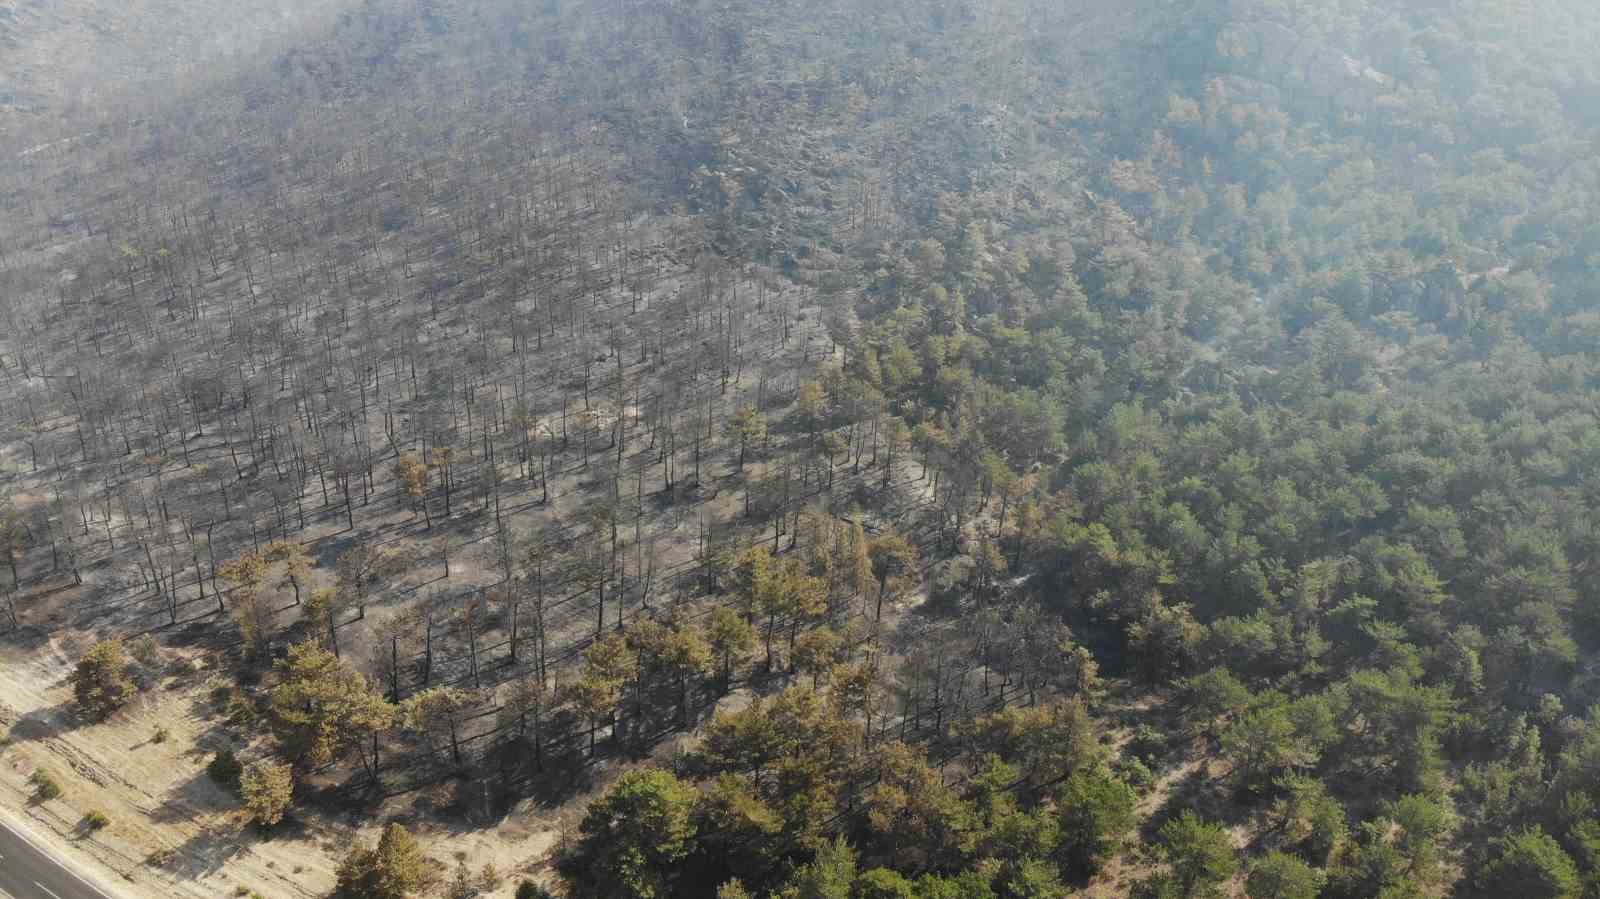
<point x="27" y="872"/>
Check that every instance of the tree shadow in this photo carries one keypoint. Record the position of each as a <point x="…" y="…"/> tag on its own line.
<point x="559" y="775"/>
<point x="1185" y="795"/>
<point x="212" y="848"/>
<point x="326" y="551"/>
<point x="28" y="637"/>
<point x="197" y="796"/>
<point x="45" y="724"/>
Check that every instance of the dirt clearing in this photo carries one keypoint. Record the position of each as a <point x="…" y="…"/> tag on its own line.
<point x="174" y="832"/>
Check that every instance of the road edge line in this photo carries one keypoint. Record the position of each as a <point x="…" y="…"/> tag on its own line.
<point x="25" y="833"/>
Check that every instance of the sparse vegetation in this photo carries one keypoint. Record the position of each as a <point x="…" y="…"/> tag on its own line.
<point x="45" y="787"/>
<point x="146" y="652"/>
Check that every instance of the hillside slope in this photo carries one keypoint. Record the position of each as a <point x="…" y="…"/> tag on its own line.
<point x="1145" y="448"/>
<point x="84" y="58"/>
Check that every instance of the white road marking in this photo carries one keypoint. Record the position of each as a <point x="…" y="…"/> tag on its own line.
<point x="20" y="830"/>
<point x="46" y="889"/>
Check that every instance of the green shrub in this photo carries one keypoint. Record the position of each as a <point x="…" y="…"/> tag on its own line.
<point x="1149" y="744"/>
<point x="268" y="790"/>
<point x="240" y="710"/>
<point x="145" y="651"/>
<point x="45" y="786"/>
<point x="1134" y="772"/>
<point x="225" y="769"/>
<point x="96" y="820"/>
<point x="530" y="890"/>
